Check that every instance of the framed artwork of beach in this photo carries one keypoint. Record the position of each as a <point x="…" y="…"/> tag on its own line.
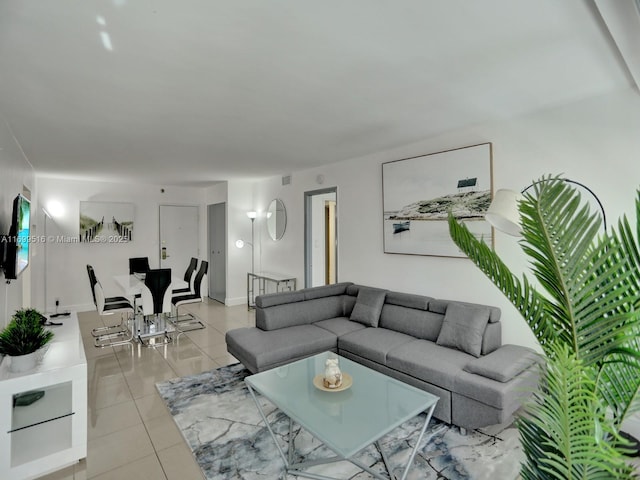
<point x="106" y="222"/>
<point x="418" y="192"/>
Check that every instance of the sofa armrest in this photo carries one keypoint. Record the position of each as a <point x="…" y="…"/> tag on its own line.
<point x="504" y="363"/>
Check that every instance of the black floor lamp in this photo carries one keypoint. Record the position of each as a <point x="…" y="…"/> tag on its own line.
<point x="503" y="213"/>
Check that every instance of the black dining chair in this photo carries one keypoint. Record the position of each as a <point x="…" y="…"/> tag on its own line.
<point x="124" y="308"/>
<point x="199" y="290"/>
<point x="138" y="265"/>
<point x="189" y="277"/>
<point x="156" y="306"/>
<point x="109" y="330"/>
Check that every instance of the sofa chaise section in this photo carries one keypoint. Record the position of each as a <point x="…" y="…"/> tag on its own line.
<point x="260" y="350"/>
<point x="291" y="326"/>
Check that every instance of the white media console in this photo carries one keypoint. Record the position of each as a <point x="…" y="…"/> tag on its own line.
<point x="51" y="432"/>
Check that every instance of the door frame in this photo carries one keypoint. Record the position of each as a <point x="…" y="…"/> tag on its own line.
<point x="308" y="231"/>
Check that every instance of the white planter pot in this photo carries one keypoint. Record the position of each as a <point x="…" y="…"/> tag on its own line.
<point x="22" y="363"/>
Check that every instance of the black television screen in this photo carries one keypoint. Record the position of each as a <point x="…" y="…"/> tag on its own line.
<point x="17" y="242"/>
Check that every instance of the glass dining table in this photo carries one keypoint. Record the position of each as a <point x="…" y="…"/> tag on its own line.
<point x="145" y="331"/>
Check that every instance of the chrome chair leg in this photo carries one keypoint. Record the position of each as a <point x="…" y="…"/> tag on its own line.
<point x="110" y="329"/>
<point x="121" y="337"/>
<point x="186" y="323"/>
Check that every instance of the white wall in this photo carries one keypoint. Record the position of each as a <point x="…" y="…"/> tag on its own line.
<point x="66" y="274"/>
<point x="15" y="172"/>
<point x="595" y="141"/>
<point x="239" y="202"/>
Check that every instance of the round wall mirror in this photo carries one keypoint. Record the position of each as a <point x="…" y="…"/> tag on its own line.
<point x="276" y="219"/>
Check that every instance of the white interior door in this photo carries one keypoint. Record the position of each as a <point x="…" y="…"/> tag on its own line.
<point x="178" y="237"/>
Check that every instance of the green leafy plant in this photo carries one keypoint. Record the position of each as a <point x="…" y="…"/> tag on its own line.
<point x="24" y="334"/>
<point x="587" y="324"/>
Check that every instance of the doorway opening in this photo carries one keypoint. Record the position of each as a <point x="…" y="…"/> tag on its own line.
<point x="321" y="237"/>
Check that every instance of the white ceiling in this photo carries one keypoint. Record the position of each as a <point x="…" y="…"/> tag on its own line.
<point x="197" y="91"/>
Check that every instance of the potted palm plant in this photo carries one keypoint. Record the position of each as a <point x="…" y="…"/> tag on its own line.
<point x="585" y="314"/>
<point x="22" y="339"/>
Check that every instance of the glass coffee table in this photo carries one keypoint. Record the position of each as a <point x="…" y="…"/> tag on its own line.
<point x="345" y="421"/>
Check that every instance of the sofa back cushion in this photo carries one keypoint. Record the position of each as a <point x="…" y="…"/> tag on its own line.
<point x="280" y="298"/>
<point x="417" y="323"/>
<point x="492" y="339"/>
<point x="299" y="313"/>
<point x="407" y="313"/>
<point x="440" y="306"/>
<point x="348" y="302"/>
<point x="325" y="290"/>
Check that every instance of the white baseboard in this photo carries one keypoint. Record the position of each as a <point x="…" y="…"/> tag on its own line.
<point x="232" y="302"/>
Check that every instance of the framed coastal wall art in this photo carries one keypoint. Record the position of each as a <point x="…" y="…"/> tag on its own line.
<point x="106" y="222"/>
<point x="418" y="193"/>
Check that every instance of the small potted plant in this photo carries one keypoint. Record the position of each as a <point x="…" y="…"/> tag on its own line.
<point x="22" y="338"/>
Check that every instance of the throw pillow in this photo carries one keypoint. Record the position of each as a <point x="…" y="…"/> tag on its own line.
<point x="368" y="306"/>
<point x="504" y="363"/>
<point x="463" y="328"/>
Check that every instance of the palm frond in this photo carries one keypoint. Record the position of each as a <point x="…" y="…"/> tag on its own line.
<point x="565" y="434"/>
<point x="592" y="301"/>
<point x="522" y="295"/>
<point x="560" y="234"/>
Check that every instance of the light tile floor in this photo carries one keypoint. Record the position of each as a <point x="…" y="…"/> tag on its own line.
<point x="131" y="434"/>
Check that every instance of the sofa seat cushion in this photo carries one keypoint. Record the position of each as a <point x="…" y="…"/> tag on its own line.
<point x="339" y="325"/>
<point x="372" y="343"/>
<point x="429" y="362"/>
<point x="267" y="349"/>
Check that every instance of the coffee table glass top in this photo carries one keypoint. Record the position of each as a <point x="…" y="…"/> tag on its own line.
<point x="345" y="421"/>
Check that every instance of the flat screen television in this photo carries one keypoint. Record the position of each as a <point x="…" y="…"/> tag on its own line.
<point x="16" y="244"/>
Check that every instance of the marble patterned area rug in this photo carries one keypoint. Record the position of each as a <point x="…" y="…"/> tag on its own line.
<point x="221" y="424"/>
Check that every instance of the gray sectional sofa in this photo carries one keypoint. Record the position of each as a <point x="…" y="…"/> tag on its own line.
<point x="448" y="348"/>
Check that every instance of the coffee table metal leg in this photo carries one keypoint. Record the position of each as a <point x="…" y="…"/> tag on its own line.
<point x="264" y="419"/>
<point x="418" y="442"/>
<point x="291" y="440"/>
<point x="296" y="468"/>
